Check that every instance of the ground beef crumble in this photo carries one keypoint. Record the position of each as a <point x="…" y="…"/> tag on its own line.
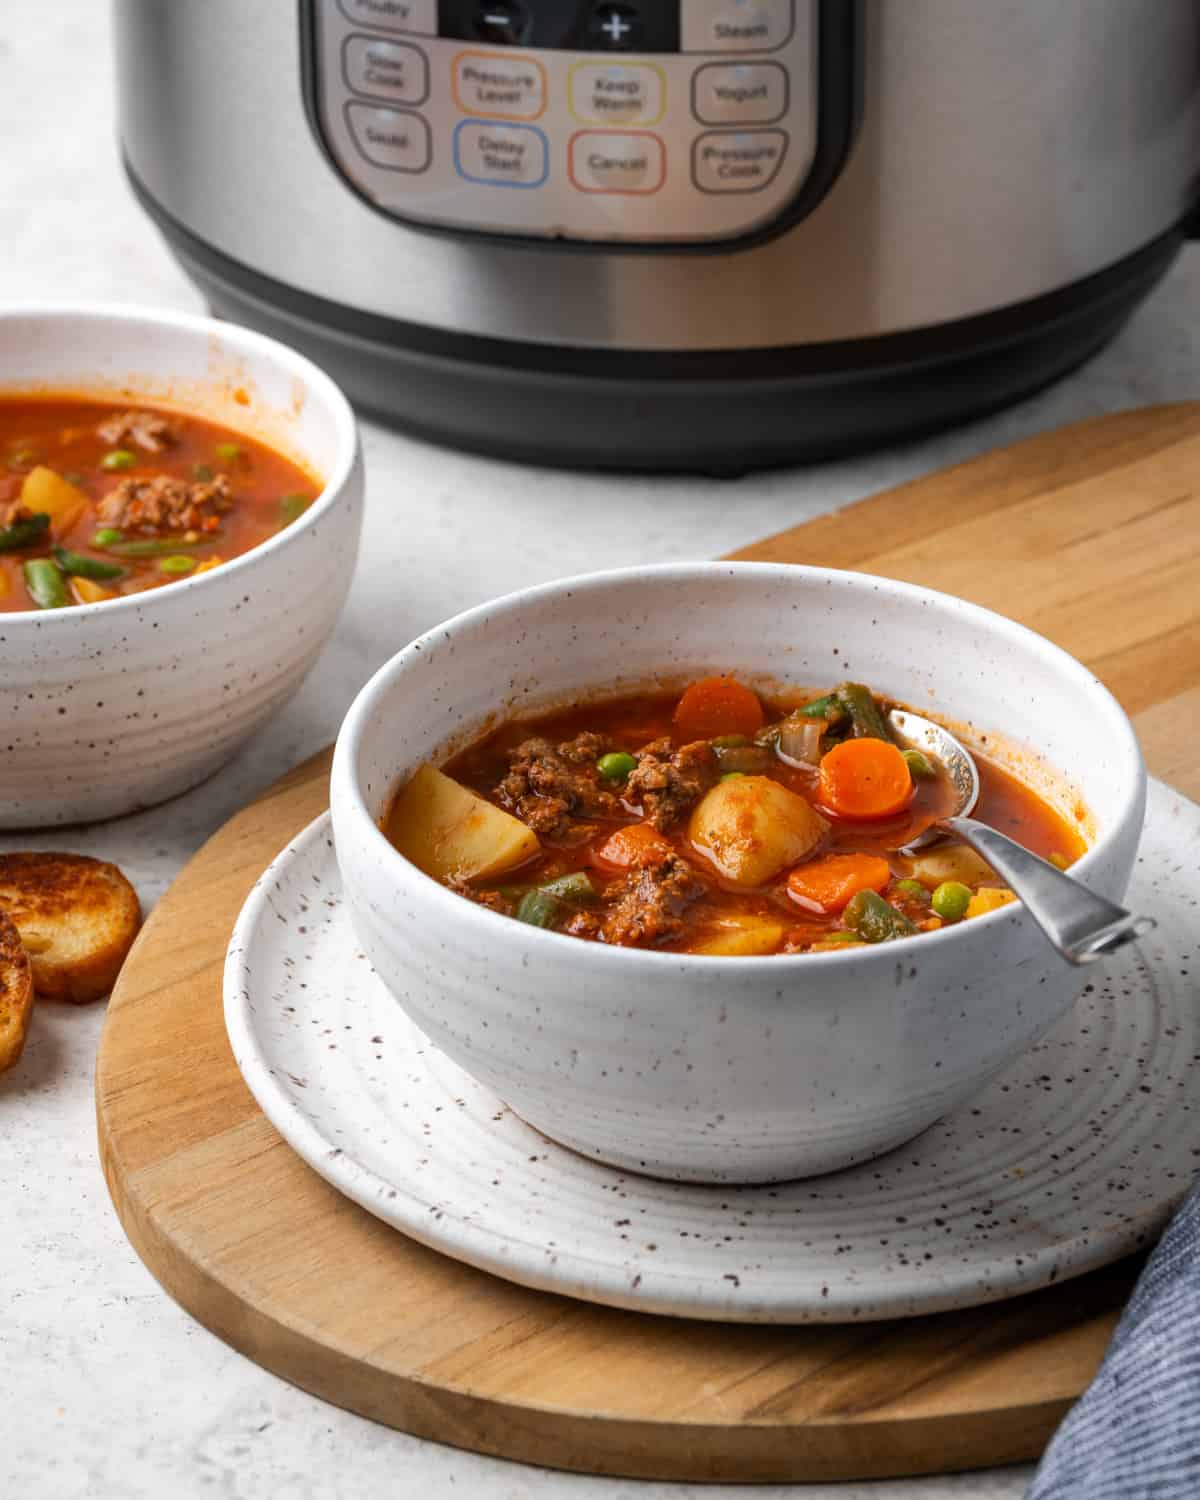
<point x="550" y="786"/>
<point x="14" y="512"/>
<point x="649" y="903"/>
<point x="144" y="429"/>
<point x="163" y="506"/>
<point x="493" y="900"/>
<point x="667" y="782"/>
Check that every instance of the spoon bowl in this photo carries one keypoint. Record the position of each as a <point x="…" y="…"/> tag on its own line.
<point x="1081" y="925"/>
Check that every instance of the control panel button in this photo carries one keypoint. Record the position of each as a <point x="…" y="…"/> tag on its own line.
<point x="385" y="70"/>
<point x="504" y="155"/>
<point x="741" y="161"/>
<point x="614" y="161"/>
<point x="617" y="93"/>
<point x="740" y="93"/>
<point x="390" y="138"/>
<point x="498" y="85"/>
<point x="618" y="27"/>
<point x="420" y="16"/>
<point x="504" y="22"/>
<point x="734" y="25"/>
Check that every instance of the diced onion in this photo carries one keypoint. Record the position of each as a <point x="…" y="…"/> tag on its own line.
<point x="799" y="742"/>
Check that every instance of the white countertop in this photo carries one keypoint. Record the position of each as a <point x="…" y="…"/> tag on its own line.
<point x="110" y="1389"/>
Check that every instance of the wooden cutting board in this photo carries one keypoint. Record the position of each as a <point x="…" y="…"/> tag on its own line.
<point x="1091" y="535"/>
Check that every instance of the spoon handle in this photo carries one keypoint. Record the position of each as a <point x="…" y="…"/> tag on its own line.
<point x="1080" y="924"/>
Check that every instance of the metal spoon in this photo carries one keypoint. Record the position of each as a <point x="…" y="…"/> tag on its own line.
<point x="1080" y="924"/>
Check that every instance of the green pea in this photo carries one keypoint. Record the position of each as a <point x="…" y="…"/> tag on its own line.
<point x="950" y="900"/>
<point x="914" y="890"/>
<point x="229" y="453"/>
<point x="919" y="765"/>
<point x="616" y="765"/>
<point x="106" y="536"/>
<point x="177" y="564"/>
<point x="119" y="458"/>
<point x="292" y="507"/>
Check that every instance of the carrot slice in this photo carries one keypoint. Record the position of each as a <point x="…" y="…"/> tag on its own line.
<point x="633" y="846"/>
<point x="715" y="706"/>
<point x="865" y="778"/>
<point x="827" y="884"/>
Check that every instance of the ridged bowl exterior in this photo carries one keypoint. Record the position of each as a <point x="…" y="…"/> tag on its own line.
<point x="711" y="1069"/>
<point x="110" y="708"/>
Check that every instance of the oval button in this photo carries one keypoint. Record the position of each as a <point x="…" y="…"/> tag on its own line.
<point x="505" y="155"/>
<point x="741" y="161"/>
<point x="740" y="93"/>
<point x="385" y="70"/>
<point x="498" y="86"/>
<point x="614" y="161"/>
<point x="617" y="93"/>
<point x="391" y="138"/>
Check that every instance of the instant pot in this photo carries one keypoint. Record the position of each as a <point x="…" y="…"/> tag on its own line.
<point x="697" y="234"/>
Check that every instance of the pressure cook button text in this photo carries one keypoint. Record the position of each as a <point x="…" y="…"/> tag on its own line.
<point x="499" y="85"/>
<point x="743" y="161"/>
<point x="617" y="93"/>
<point x="505" y="155"/>
<point x="420" y="16"/>
<point x="735" y="25"/>
<point x="740" y="93"/>
<point x="392" y="138"/>
<point x="385" y="70"/>
<point x="612" y="161"/>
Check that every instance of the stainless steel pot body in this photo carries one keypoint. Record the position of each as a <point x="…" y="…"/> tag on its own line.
<point x="1005" y="150"/>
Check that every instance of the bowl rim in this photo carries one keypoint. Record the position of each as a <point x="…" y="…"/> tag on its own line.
<point x="347" y="795"/>
<point x="237" y="338"/>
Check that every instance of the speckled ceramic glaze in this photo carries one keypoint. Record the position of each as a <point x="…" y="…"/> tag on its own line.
<point x="106" y="708"/>
<point x="723" y="1069"/>
<point x="1074" y="1155"/>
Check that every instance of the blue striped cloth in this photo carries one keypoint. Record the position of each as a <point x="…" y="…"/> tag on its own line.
<point x="1135" y="1432"/>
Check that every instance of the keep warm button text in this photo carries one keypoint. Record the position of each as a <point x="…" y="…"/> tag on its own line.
<point x="499" y="86"/>
<point x="614" y="161"/>
<point x="742" y="161"/>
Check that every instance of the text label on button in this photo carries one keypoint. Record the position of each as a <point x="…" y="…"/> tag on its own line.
<point x="391" y="138"/>
<point x="612" y="161"/>
<point x="617" y="93"/>
<point x="385" y="70"/>
<point x="740" y="93"/>
<point x="743" y="161"/>
<point x="501" y="155"/>
<point x="498" y="86"/>
<point x="735" y="25"/>
<point x="420" y="16"/>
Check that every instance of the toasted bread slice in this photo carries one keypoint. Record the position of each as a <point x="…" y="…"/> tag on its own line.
<point x="77" y="917"/>
<point x="16" y="994"/>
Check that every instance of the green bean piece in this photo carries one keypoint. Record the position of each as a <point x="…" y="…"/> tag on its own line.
<point x="616" y="765"/>
<point x="24" y="533"/>
<point x="150" y="546"/>
<point x="80" y="566"/>
<point x="538" y="908"/>
<point x="875" y="920"/>
<point x="46" y="585"/>
<point x="202" y="472"/>
<point x="865" y="715"/>
<point x="106" y="536"/>
<point x="177" y="564"/>
<point x="920" y="767"/>
<point x="950" y="900"/>
<point x="576" y="887"/>
<point x="119" y="458"/>
<point x="830" y="708"/>
<point x="229" y="453"/>
<point x="292" y="507"/>
<point x="914" y="891"/>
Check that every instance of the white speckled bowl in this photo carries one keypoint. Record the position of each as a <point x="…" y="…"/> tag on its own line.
<point x="107" y="708"/>
<point x="725" y="1069"/>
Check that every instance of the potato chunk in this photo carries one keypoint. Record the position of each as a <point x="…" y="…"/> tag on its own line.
<point x="950" y="862"/>
<point x="42" y="490"/>
<point x="741" y="937"/>
<point x="752" y="828"/>
<point x="447" y="830"/>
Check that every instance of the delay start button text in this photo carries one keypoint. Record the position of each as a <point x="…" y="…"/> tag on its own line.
<point x="742" y="161"/>
<point x="515" y="156"/>
<point x="615" y="161"/>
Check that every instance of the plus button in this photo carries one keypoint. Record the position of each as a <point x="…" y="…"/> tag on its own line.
<point x="615" y="26"/>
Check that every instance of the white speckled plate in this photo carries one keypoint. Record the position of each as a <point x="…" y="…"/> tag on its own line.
<point x="1074" y="1157"/>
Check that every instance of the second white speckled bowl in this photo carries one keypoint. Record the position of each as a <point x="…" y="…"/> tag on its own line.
<point x="107" y="708"/>
<point x="724" y="1069"/>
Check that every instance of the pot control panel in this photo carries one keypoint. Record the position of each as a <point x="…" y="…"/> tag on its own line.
<point x="631" y="121"/>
